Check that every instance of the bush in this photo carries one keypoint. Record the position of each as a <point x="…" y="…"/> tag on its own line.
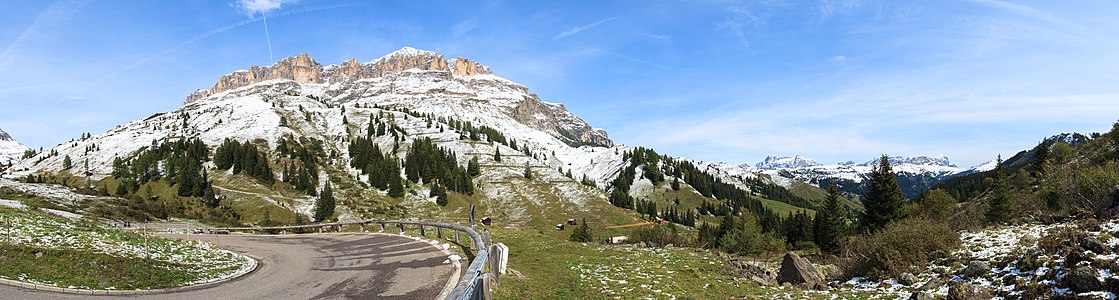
<point x="659" y="236"/>
<point x="903" y="246"/>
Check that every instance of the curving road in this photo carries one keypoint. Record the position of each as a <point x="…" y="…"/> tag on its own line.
<point x="314" y="266"/>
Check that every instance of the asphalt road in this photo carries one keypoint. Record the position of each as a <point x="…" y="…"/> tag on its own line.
<point x="313" y="266"/>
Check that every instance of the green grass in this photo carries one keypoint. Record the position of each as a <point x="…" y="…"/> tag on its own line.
<point x="56" y="251"/>
<point x="542" y="267"/>
<point x="75" y="268"/>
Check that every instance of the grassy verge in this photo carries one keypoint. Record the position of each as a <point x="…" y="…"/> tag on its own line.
<point x="83" y="269"/>
<point x="60" y="252"/>
<point x="543" y="267"/>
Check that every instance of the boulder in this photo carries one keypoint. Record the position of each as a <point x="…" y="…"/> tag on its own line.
<point x="798" y="271"/>
<point x="907" y="279"/>
<point x="921" y="296"/>
<point x="967" y="291"/>
<point x="1112" y="284"/>
<point x="831" y="272"/>
<point x="976" y="268"/>
<point x="1083" y="279"/>
<point x="1093" y="244"/>
<point x="933" y="284"/>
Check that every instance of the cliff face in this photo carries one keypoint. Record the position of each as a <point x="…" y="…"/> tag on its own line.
<point x="401" y="67"/>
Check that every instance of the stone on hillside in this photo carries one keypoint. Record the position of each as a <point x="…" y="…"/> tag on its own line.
<point x="967" y="291"/>
<point x="1083" y="279"/>
<point x="1093" y="244"/>
<point x="830" y="272"/>
<point x="799" y="271"/>
<point x="933" y="284"/>
<point x="976" y="267"/>
<point x="1112" y="284"/>
<point x="907" y="279"/>
<point x="921" y="296"/>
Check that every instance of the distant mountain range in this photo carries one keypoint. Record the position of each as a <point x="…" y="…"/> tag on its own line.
<point x="10" y="149"/>
<point x="915" y="174"/>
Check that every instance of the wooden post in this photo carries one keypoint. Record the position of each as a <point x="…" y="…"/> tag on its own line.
<point x="422" y="231"/>
<point x="382" y="227"/>
<point x="362" y="227"/>
<point x="439" y="232"/>
<point x="456" y="236"/>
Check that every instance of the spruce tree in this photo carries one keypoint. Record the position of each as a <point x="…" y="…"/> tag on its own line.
<point x="883" y="199"/>
<point x="66" y="163"/>
<point x="496" y="154"/>
<point x="830" y="223"/>
<point x="999" y="211"/>
<point x="473" y="168"/>
<point x="324" y="206"/>
<point x="582" y="234"/>
<point x="528" y="172"/>
<point x="396" y="187"/>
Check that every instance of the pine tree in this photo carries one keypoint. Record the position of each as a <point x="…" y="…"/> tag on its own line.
<point x="582" y="234"/>
<point x="473" y="168"/>
<point x="324" y="206"/>
<point x="528" y="172"/>
<point x="209" y="198"/>
<point x="396" y="187"/>
<point x="883" y="199"/>
<point x="497" y="154"/>
<point x="830" y="224"/>
<point x="675" y="184"/>
<point x="999" y="210"/>
<point x="66" y="163"/>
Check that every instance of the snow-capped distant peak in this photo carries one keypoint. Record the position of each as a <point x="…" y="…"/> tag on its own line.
<point x="987" y="166"/>
<point x="10" y="149"/>
<point x="407" y="52"/>
<point x="786" y="162"/>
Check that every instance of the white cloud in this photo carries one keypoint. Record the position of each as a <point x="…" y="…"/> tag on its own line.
<point x="252" y="7"/>
<point x="578" y="29"/>
<point x="840" y="59"/>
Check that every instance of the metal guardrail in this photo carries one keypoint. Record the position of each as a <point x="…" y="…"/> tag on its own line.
<point x="474" y="285"/>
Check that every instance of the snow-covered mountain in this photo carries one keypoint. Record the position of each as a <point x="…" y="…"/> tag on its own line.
<point x="785" y="162"/>
<point x="915" y="174"/>
<point x="10" y="149"/>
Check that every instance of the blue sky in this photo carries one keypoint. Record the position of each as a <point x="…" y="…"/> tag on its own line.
<point x="714" y="80"/>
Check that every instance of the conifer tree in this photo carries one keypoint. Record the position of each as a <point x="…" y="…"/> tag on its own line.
<point x="582" y="234"/>
<point x="830" y="223"/>
<point x="528" y="172"/>
<point x="497" y="154"/>
<point x="66" y="163"/>
<point x="396" y="187"/>
<point x="883" y="199"/>
<point x="324" y="206"/>
<point x="473" y="168"/>
<point x="999" y="211"/>
<point x="209" y="198"/>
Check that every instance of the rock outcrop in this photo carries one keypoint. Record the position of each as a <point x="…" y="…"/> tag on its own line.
<point x="966" y="291"/>
<point x="799" y="271"/>
<point x="415" y="68"/>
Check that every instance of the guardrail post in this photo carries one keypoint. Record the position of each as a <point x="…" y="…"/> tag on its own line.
<point x="339" y="228"/>
<point x="320" y="229"/>
<point x="439" y="232"/>
<point x="422" y="231"/>
<point x="456" y="236"/>
<point x="382" y="227"/>
<point x="362" y="227"/>
<point x="401" y="227"/>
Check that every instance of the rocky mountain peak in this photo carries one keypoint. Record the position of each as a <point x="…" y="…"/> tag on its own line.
<point x="786" y="162"/>
<point x="4" y="136"/>
<point x="918" y="160"/>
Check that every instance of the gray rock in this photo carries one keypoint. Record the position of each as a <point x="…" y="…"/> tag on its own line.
<point x="921" y="296"/>
<point x="907" y="279"/>
<point x="976" y="268"/>
<point x="933" y="284"/>
<point x="1112" y="284"/>
<point x="1093" y="244"/>
<point x="967" y="291"/>
<point x="1083" y="279"/>
<point x="798" y="271"/>
<point x="831" y="272"/>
